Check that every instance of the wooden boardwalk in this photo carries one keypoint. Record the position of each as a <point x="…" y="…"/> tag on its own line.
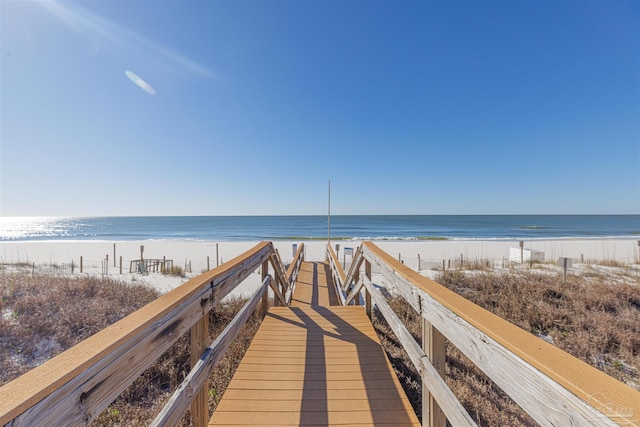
<point x="315" y="363"/>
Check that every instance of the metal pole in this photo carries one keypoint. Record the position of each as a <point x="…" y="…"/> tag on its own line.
<point x="329" y="216"/>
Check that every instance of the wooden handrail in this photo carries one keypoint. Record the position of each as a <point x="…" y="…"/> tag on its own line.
<point x="178" y="404"/>
<point x="354" y="269"/>
<point x="280" y="275"/>
<point x="338" y="274"/>
<point x="450" y="404"/>
<point x="293" y="271"/>
<point x="554" y="387"/>
<point x="75" y="386"/>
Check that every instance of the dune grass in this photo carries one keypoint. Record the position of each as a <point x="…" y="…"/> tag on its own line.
<point x="43" y="315"/>
<point x="592" y="317"/>
<point x="594" y="320"/>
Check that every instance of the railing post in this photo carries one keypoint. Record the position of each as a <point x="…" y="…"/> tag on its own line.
<point x="199" y="342"/>
<point x="356" y="278"/>
<point x="367" y="294"/>
<point x="433" y="346"/>
<point x="265" y="297"/>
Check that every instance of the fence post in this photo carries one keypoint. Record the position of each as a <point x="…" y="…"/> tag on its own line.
<point x="199" y="341"/>
<point x="367" y="295"/>
<point x="433" y="344"/>
<point x="418" y="269"/>
<point x="120" y="264"/>
<point x="208" y="267"/>
<point x="80" y="264"/>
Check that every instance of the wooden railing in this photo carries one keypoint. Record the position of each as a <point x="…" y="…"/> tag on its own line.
<point x="74" y="387"/>
<point x="553" y="387"/>
<point x="292" y="272"/>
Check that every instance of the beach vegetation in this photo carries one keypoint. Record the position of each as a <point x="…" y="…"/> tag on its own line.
<point x="174" y="270"/>
<point x="46" y="314"/>
<point x="606" y="262"/>
<point x="591" y="318"/>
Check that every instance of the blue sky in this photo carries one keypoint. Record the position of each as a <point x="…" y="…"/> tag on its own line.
<point x="434" y="107"/>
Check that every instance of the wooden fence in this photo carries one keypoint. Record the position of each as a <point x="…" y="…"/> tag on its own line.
<point x="553" y="387"/>
<point x="74" y="387"/>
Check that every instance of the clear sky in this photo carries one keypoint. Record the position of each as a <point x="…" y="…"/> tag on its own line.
<point x="250" y="107"/>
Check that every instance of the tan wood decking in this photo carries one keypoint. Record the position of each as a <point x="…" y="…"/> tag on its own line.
<point x="315" y="364"/>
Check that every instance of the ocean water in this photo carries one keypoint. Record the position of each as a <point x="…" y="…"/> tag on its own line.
<point x="343" y="227"/>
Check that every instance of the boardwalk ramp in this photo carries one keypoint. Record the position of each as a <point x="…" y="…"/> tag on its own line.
<point x="315" y="363"/>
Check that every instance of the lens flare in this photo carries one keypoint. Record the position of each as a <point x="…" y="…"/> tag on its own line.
<point x="140" y="83"/>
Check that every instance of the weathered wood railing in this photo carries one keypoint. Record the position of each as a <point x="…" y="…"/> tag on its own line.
<point x="553" y="387"/>
<point x="74" y="387"/>
<point x="292" y="272"/>
<point x="337" y="274"/>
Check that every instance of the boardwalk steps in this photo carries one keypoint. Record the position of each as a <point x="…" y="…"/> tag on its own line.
<point x="315" y="366"/>
<point x="315" y="363"/>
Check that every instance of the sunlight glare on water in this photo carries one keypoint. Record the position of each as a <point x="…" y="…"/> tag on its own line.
<point x="24" y="228"/>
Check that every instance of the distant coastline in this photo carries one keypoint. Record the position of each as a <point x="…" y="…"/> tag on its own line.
<point x="315" y="227"/>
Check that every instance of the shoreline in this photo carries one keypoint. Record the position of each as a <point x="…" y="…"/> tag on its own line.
<point x="616" y="248"/>
<point x="198" y="255"/>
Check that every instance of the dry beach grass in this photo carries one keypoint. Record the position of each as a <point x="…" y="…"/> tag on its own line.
<point x="42" y="315"/>
<point x="594" y="315"/>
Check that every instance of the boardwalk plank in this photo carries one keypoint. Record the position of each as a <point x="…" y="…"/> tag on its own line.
<point x="315" y="363"/>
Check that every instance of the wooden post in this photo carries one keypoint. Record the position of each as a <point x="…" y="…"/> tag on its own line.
<point x="120" y="264"/>
<point x="80" y="264"/>
<point x="367" y="295"/>
<point x="199" y="342"/>
<point x="433" y="344"/>
<point x="356" y="278"/>
<point x="521" y="251"/>
<point x="443" y="268"/>
<point x="265" y="298"/>
<point x="265" y="267"/>
<point x="418" y="269"/>
<point x="208" y="267"/>
<point x="114" y="255"/>
<point x="164" y="263"/>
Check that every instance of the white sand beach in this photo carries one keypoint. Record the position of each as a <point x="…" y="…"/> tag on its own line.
<point x="58" y="256"/>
